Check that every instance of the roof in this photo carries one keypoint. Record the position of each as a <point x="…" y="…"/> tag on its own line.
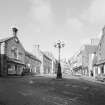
<point x="5" y="39"/>
<point x="8" y="38"/>
<point x="47" y="56"/>
<point x="100" y="62"/>
<point x="31" y="56"/>
<point x="91" y="48"/>
<point x="44" y="54"/>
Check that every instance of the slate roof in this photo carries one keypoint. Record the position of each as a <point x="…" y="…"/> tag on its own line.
<point x="5" y="39"/>
<point x="100" y="62"/>
<point x="31" y="56"/>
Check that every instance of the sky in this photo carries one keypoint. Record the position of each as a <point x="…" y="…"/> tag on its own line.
<point x="44" y="22"/>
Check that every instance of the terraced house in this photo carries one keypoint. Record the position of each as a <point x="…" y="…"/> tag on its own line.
<point x="48" y="64"/>
<point x="81" y="62"/>
<point x="12" y="55"/>
<point x="32" y="63"/>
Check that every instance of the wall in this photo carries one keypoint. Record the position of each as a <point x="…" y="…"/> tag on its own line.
<point x="47" y="64"/>
<point x="3" y="66"/>
<point x="34" y="64"/>
<point x="10" y="45"/>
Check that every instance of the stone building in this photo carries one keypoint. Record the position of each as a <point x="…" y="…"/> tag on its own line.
<point x="12" y="55"/>
<point x="82" y="64"/>
<point x="54" y="62"/>
<point x="32" y="63"/>
<point x="99" y="57"/>
<point x="47" y="65"/>
<point x="76" y="63"/>
<point x="65" y="66"/>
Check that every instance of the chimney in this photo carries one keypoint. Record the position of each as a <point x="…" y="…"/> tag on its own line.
<point x="14" y="31"/>
<point x="37" y="46"/>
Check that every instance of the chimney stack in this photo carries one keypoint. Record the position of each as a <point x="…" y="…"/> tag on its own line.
<point x="15" y="30"/>
<point x="37" y="46"/>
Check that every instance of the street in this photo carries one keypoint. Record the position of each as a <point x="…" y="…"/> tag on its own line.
<point x="50" y="91"/>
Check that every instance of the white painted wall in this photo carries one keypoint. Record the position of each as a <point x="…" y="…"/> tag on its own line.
<point x="104" y="68"/>
<point x="3" y="48"/>
<point x="99" y="70"/>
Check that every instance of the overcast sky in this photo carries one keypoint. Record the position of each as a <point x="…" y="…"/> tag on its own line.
<point x="46" y="21"/>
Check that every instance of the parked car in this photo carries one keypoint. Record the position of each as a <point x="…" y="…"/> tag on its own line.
<point x="100" y="77"/>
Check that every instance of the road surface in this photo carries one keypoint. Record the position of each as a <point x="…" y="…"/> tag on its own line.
<point x="49" y="91"/>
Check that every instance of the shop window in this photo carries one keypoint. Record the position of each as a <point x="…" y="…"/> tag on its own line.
<point x="102" y="69"/>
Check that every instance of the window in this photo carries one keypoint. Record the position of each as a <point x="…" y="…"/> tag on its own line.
<point x="102" y="69"/>
<point x="14" y="53"/>
<point x="20" y="55"/>
<point x="100" y="47"/>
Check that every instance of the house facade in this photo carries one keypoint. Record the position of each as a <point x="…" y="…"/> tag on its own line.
<point x="82" y="61"/>
<point x="54" y="62"/>
<point x="76" y="63"/>
<point x="99" y="57"/>
<point x="12" y="55"/>
<point x="48" y="64"/>
<point x="65" y="67"/>
<point x="32" y="63"/>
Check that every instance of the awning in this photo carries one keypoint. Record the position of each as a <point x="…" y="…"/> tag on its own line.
<point x="16" y="61"/>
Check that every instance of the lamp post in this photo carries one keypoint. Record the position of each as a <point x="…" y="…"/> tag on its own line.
<point x="59" y="44"/>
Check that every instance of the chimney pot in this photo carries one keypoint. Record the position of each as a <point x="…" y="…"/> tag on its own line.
<point x="37" y="46"/>
<point x="14" y="31"/>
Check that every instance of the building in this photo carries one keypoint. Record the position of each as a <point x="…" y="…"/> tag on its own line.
<point x="99" y="57"/>
<point x="82" y="61"/>
<point x="32" y="63"/>
<point x="46" y="65"/>
<point x="95" y="41"/>
<point x="76" y="63"/>
<point x="54" y="62"/>
<point x="88" y="54"/>
<point x="12" y="55"/>
<point x="65" y="66"/>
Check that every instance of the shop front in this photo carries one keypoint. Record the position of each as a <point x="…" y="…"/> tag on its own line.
<point x="15" y="67"/>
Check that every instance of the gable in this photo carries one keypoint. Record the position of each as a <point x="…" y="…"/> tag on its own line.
<point x="101" y="48"/>
<point x="12" y="44"/>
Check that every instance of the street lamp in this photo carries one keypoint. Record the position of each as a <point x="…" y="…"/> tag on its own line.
<point x="59" y="44"/>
